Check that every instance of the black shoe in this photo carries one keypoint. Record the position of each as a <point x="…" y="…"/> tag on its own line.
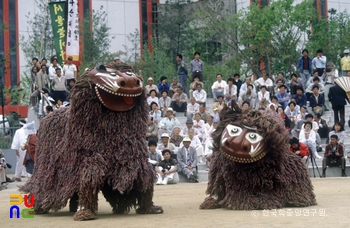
<point x="193" y="178"/>
<point x="319" y="149"/>
<point x="9" y="180"/>
<point x="323" y="174"/>
<point x="343" y="174"/>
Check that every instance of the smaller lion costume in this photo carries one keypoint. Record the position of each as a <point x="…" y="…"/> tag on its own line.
<point x="252" y="167"/>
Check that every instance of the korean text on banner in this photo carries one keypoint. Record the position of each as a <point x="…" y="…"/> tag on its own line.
<point x="59" y="26"/>
<point x="72" y="48"/>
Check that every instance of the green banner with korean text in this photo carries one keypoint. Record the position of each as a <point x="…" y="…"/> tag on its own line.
<point x="59" y="27"/>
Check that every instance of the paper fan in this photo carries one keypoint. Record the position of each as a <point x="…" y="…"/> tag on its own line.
<point x="344" y="83"/>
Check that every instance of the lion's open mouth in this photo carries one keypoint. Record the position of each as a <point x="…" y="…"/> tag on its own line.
<point x="114" y="100"/>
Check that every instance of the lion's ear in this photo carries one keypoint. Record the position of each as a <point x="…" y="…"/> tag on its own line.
<point x="101" y="68"/>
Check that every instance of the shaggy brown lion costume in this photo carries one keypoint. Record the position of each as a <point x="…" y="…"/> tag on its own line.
<point x="97" y="143"/>
<point x="252" y="167"/>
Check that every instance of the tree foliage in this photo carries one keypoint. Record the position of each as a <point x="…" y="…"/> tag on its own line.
<point x="270" y="34"/>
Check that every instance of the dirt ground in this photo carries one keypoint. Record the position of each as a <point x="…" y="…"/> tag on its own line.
<point x="180" y="203"/>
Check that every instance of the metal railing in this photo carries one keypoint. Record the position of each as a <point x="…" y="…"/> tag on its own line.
<point x="7" y="137"/>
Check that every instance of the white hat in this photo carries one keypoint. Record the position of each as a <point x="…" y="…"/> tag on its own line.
<point x="150" y="79"/>
<point x="186" y="139"/>
<point x="346" y="51"/>
<point x="29" y="128"/>
<point x="116" y="58"/>
<point x="170" y="110"/>
<point x="165" y="135"/>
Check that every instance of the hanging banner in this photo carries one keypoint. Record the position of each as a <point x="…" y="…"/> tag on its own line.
<point x="72" y="48"/>
<point x="59" y="25"/>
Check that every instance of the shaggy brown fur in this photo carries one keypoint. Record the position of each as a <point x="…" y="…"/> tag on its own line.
<point x="85" y="148"/>
<point x="277" y="180"/>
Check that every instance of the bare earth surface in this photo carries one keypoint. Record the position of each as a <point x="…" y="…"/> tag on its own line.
<point x="181" y="203"/>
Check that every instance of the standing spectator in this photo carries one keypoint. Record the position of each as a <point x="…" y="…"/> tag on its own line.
<point x="187" y="159"/>
<point x="152" y="131"/>
<point x="263" y="97"/>
<point x="294" y="84"/>
<point x="299" y="149"/>
<point x="153" y="97"/>
<point x="179" y="101"/>
<point x="218" y="87"/>
<point x="193" y="85"/>
<point x="345" y="63"/>
<point x="237" y="82"/>
<point x="300" y="97"/>
<point x="182" y="72"/>
<point x="52" y="69"/>
<point x="164" y="102"/>
<point x="151" y="86"/>
<point x="167" y="124"/>
<point x="197" y="67"/>
<point x="42" y="81"/>
<point x="70" y="70"/>
<point x="319" y="62"/>
<point x="282" y="96"/>
<point x="317" y="101"/>
<point x="219" y="105"/>
<point x="322" y="126"/>
<point x="192" y="108"/>
<point x="265" y="81"/>
<point x="28" y="162"/>
<point x="167" y="169"/>
<point x="305" y="67"/>
<point x="35" y="61"/>
<point x="230" y="91"/>
<point x="173" y="86"/>
<point x="34" y="72"/>
<point x="337" y="96"/>
<point x="59" y="86"/>
<point x="248" y="96"/>
<point x="19" y="140"/>
<point x="333" y="156"/>
<point x="200" y="95"/>
<point x="338" y="129"/>
<point x="330" y="75"/>
<point x="308" y="137"/>
<point x="163" y="85"/>
<point x="244" y="86"/>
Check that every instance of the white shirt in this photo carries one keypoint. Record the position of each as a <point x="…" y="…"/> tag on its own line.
<point x="233" y="90"/>
<point x="192" y="108"/>
<point x="217" y="84"/>
<point x="244" y="88"/>
<point x="330" y="79"/>
<point x="195" y="142"/>
<point x="314" y="126"/>
<point x="19" y="140"/>
<point x="312" y="136"/>
<point x="201" y="124"/>
<point x="266" y="95"/>
<point x="52" y="71"/>
<point x="319" y="62"/>
<point x="68" y="71"/>
<point x="200" y="96"/>
<point x="261" y="82"/>
<point x="152" y="99"/>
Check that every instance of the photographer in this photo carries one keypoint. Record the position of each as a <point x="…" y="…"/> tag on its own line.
<point x="333" y="156"/>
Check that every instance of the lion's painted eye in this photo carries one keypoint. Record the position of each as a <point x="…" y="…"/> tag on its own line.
<point x="233" y="130"/>
<point x="253" y="137"/>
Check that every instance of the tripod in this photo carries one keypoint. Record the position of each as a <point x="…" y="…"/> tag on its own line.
<point x="313" y="163"/>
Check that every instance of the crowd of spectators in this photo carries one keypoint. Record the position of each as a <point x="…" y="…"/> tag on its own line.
<point x="300" y="100"/>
